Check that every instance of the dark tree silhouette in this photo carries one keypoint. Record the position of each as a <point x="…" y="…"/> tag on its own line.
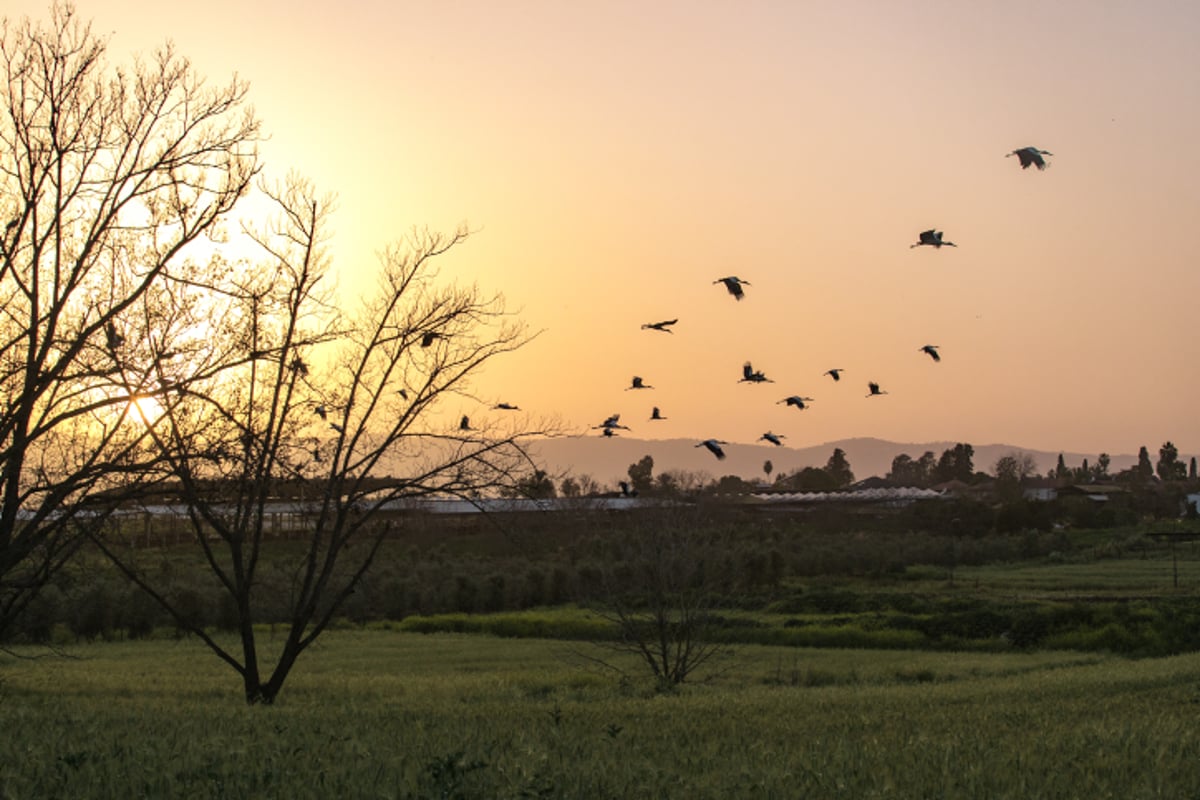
<point x="1144" y="469"/>
<point x="641" y="475"/>
<point x="109" y="179"/>
<point x="1169" y="467"/>
<point x="908" y="472"/>
<point x="233" y="443"/>
<point x="839" y="468"/>
<point x="956" y="464"/>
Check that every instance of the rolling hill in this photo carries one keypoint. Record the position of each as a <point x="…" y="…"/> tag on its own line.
<point x="608" y="459"/>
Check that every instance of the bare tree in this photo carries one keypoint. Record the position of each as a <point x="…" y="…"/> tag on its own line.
<point x="109" y="180"/>
<point x="332" y="418"/>
<point x="661" y="606"/>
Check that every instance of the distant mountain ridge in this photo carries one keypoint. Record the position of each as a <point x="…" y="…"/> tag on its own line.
<point x="607" y="459"/>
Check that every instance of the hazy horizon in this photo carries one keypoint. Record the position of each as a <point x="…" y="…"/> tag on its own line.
<point x="614" y="159"/>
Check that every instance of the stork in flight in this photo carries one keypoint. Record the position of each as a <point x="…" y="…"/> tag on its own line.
<point x="714" y="447"/>
<point x="1030" y="157"/>
<point x="750" y="376"/>
<point x="773" y="438"/>
<point x="506" y="407"/>
<point x="611" y="423"/>
<point x="734" y="284"/>
<point x="836" y="373"/>
<point x="429" y="337"/>
<point x="797" y="401"/>
<point x="932" y="351"/>
<point x="655" y="413"/>
<point x="873" y="387"/>
<point x="932" y="238"/>
<point x="465" y="424"/>
<point x="664" y="326"/>
<point x="638" y="383"/>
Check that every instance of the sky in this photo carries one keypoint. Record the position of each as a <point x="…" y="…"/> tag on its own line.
<point x="615" y="158"/>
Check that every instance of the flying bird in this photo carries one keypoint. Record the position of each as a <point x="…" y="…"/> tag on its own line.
<point x="505" y="407"/>
<point x="932" y="351"/>
<point x="610" y="423"/>
<point x="655" y="413"/>
<point x="874" y="389"/>
<point x="337" y="427"/>
<point x="664" y="326"/>
<point x="933" y="239"/>
<point x="626" y="491"/>
<point x="797" y="401"/>
<point x="638" y="384"/>
<point x="750" y="376"/>
<point x="836" y="374"/>
<point x="321" y="412"/>
<point x="734" y="284"/>
<point x="1030" y="157"/>
<point x="429" y="337"/>
<point x="714" y="447"/>
<point x="773" y="438"/>
<point x="465" y="424"/>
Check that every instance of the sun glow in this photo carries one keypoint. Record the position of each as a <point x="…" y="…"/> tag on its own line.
<point x="145" y="408"/>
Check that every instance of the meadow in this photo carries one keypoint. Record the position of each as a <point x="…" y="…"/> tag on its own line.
<point x="392" y="714"/>
<point x="1062" y="665"/>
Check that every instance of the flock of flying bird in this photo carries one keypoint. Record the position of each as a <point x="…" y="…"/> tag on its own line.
<point x="1027" y="156"/>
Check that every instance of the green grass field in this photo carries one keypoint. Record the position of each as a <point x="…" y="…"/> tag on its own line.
<point x="391" y="714"/>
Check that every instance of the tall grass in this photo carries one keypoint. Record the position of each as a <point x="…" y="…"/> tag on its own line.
<point x="387" y="714"/>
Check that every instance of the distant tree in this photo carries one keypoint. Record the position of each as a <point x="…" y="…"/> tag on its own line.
<point x="1060" y="469"/>
<point x="926" y="466"/>
<point x="1192" y="469"/>
<point x="679" y="482"/>
<point x="1013" y="469"/>
<point x="578" y="486"/>
<point x="812" y="479"/>
<point x="641" y="475"/>
<point x="1100" y="470"/>
<point x="1007" y="472"/>
<point x="536" y="486"/>
<point x="768" y="468"/>
<point x="730" y="484"/>
<point x="902" y="469"/>
<point x="1169" y="467"/>
<point x="1084" y="473"/>
<point x="907" y="472"/>
<point x="956" y="464"/>
<point x="839" y="468"/>
<point x="1145" y="470"/>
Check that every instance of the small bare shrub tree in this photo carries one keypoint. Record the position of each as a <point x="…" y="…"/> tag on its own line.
<point x="660" y="597"/>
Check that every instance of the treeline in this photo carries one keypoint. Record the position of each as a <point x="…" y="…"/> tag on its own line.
<point x="454" y="565"/>
<point x="955" y="464"/>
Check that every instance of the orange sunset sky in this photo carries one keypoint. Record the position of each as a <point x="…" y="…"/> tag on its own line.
<point x="615" y="158"/>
